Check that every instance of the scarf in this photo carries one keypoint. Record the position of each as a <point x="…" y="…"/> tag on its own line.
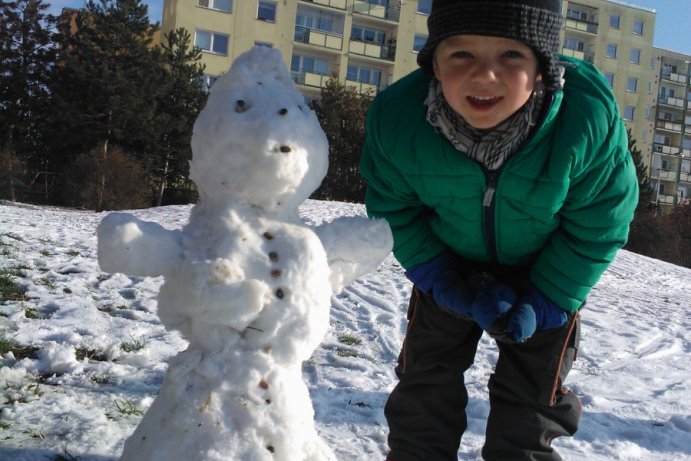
<point x="490" y="147"/>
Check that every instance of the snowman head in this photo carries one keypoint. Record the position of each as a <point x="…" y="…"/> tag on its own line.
<point x="257" y="142"/>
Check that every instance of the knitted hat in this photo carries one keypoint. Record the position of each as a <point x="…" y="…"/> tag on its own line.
<point x="534" y="22"/>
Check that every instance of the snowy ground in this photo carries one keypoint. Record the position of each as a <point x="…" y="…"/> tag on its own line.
<point x="89" y="352"/>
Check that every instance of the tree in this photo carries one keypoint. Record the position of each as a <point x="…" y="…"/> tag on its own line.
<point x="341" y="112"/>
<point x="181" y="99"/>
<point x="106" y="85"/>
<point x="26" y="56"/>
<point x="645" y="190"/>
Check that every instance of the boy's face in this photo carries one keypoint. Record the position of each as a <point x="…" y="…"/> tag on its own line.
<point x="485" y="79"/>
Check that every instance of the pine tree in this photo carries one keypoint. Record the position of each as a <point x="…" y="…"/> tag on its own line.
<point x="341" y="112"/>
<point x="106" y="84"/>
<point x="181" y="99"/>
<point x="26" y="55"/>
<point x="645" y="190"/>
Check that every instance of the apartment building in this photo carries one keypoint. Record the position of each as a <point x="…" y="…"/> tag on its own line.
<point x="670" y="166"/>
<point x="618" y="38"/>
<point x="369" y="44"/>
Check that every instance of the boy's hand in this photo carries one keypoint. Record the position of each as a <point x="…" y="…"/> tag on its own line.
<point x="442" y="277"/>
<point x="533" y="311"/>
<point x="491" y="306"/>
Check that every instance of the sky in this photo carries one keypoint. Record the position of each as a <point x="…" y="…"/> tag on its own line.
<point x="671" y="20"/>
<point x="632" y="372"/>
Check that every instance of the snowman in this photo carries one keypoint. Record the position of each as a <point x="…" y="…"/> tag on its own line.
<point x="247" y="283"/>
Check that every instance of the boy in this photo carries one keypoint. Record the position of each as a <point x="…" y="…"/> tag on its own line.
<point x="505" y="176"/>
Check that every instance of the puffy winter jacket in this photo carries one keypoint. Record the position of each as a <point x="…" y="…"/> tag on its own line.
<point x="560" y="206"/>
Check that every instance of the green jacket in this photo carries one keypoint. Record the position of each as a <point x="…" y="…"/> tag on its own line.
<point x="560" y="206"/>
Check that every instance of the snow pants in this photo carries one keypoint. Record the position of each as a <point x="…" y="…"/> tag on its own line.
<point x="528" y="406"/>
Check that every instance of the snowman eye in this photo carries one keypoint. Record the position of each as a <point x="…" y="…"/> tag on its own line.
<point x="241" y="106"/>
<point x="285" y="149"/>
<point x="283" y="111"/>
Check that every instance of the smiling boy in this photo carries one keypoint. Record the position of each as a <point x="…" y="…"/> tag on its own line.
<point x="503" y="171"/>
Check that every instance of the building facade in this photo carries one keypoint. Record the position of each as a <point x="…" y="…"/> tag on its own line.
<point x="369" y="44"/>
<point x="670" y="165"/>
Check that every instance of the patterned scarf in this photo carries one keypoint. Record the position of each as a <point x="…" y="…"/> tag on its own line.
<point x="490" y="147"/>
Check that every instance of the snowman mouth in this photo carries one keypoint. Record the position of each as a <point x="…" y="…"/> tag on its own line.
<point x="483" y="101"/>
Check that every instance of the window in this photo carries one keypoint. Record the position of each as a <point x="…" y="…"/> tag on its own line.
<point x="424" y="7"/>
<point x="644" y="136"/>
<point x="577" y="15"/>
<point x="364" y="74"/>
<point x="264" y="44"/>
<point x="609" y="76"/>
<point x="266" y="11"/>
<point x="614" y="20"/>
<point x="309" y="64"/>
<point x="324" y="21"/>
<point x="419" y="42"/>
<point x="611" y="50"/>
<point x="364" y="34"/>
<point x="571" y="44"/>
<point x="648" y="113"/>
<point x="638" y="27"/>
<point x="650" y="87"/>
<point x="632" y="84"/>
<point x="221" y="5"/>
<point x="211" y="42"/>
<point x="635" y="56"/>
<point x="628" y="113"/>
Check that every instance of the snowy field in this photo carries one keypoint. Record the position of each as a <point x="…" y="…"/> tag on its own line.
<point x="89" y="353"/>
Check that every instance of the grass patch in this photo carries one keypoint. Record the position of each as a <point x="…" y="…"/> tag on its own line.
<point x="20" y="352"/>
<point x="31" y="313"/>
<point x="132" y="346"/>
<point x="90" y="354"/>
<point x="73" y="253"/>
<point x="4" y="425"/>
<point x="349" y="340"/>
<point x="343" y="352"/>
<point x="127" y="408"/>
<point x="10" y="290"/>
<point x="19" y="394"/>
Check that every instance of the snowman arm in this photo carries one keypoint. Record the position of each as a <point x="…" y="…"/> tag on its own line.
<point x="134" y="247"/>
<point x="235" y="305"/>
<point x="354" y="246"/>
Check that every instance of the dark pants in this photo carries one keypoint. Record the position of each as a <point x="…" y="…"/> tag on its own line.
<point x="529" y="408"/>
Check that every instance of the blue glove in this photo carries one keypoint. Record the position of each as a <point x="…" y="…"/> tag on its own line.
<point x="443" y="278"/>
<point x="533" y="311"/>
<point x="492" y="304"/>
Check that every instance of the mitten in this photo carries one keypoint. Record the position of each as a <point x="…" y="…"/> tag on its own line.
<point x="442" y="277"/>
<point x="533" y="311"/>
<point x="491" y="305"/>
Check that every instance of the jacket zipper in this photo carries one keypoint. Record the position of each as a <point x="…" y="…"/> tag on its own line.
<point x="488" y="214"/>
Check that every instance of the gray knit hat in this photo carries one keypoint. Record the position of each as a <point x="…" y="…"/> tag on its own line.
<point x="534" y="22"/>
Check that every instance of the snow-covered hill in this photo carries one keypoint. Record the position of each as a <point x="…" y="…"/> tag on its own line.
<point x="89" y="353"/>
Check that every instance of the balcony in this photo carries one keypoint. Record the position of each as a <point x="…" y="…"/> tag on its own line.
<point x="665" y="149"/>
<point x="318" y="38"/>
<point x="388" y="13"/>
<point x="673" y="102"/>
<point x="669" y="126"/>
<point x="372" y="50"/>
<point x="666" y="199"/>
<point x="675" y="78"/>
<point x="338" y="4"/>
<point x="310" y="79"/>
<point x="582" y="55"/>
<point x="685" y="176"/>
<point x="665" y="175"/>
<point x="364" y="88"/>
<point x="581" y="25"/>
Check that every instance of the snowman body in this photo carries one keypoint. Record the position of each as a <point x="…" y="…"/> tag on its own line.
<point x="246" y="282"/>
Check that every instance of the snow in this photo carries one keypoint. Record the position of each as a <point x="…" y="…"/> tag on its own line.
<point x="632" y="372"/>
